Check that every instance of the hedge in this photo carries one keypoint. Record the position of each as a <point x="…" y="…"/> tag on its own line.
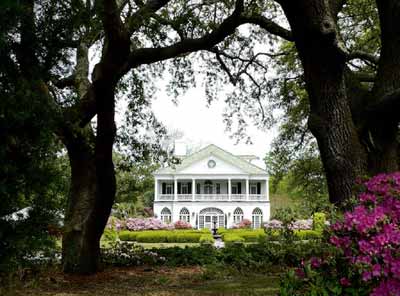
<point x="163" y="236"/>
<point x="206" y="239"/>
<point x="127" y="235"/>
<point x="233" y="239"/>
<point x="307" y="234"/>
<point x="248" y="235"/>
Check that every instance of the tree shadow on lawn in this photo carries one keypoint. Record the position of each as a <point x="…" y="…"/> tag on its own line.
<point x="159" y="281"/>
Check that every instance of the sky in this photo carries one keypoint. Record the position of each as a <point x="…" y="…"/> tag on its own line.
<point x="203" y="125"/>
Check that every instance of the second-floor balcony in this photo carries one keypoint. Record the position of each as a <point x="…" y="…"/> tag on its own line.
<point x="212" y="197"/>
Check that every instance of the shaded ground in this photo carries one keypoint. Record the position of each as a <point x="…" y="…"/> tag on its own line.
<point x="159" y="281"/>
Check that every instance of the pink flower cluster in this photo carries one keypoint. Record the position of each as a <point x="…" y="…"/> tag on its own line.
<point x="296" y="225"/>
<point x="180" y="224"/>
<point x="369" y="235"/>
<point x="245" y="223"/>
<point x="135" y="224"/>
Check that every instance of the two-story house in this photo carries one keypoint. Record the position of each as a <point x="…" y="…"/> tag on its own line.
<point x="212" y="186"/>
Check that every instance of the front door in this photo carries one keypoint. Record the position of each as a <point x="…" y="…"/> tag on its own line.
<point x="208" y="221"/>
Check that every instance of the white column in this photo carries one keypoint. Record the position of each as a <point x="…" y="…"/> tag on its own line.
<point x="175" y="189"/>
<point x="155" y="189"/>
<point x="247" y="188"/>
<point x="193" y="188"/>
<point x="267" y="188"/>
<point x="229" y="188"/>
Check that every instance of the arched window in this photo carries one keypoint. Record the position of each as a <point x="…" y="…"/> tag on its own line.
<point x="237" y="215"/>
<point x="257" y="218"/>
<point x="184" y="215"/>
<point x="210" y="217"/>
<point x="166" y="215"/>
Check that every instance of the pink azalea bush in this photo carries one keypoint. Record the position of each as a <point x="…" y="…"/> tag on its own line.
<point x="365" y="246"/>
<point x="135" y="224"/>
<point x="245" y="223"/>
<point x="180" y="224"/>
<point x="274" y="224"/>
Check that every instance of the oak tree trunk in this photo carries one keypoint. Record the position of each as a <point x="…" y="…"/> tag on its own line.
<point x="79" y="247"/>
<point x="330" y="119"/>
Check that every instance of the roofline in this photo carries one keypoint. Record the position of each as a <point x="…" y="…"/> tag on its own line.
<point x="236" y="156"/>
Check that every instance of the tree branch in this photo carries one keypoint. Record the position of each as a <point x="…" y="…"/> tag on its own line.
<point x="268" y="25"/>
<point x="152" y="55"/>
<point x="362" y="55"/>
<point x="136" y="20"/>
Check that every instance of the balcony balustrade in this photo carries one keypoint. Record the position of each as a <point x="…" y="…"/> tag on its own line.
<point x="213" y="197"/>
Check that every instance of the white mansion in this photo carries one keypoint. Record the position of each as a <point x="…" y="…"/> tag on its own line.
<point x="212" y="187"/>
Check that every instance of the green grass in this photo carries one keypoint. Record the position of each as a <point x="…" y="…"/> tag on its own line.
<point x="161" y="281"/>
<point x="166" y="245"/>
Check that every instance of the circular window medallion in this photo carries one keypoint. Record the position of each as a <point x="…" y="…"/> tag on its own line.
<point x="211" y="164"/>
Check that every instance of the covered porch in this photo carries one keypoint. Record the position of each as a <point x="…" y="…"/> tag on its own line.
<point x="211" y="189"/>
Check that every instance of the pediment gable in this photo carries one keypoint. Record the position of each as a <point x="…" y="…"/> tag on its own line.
<point x="225" y="163"/>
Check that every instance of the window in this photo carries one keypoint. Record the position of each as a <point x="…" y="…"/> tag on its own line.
<point x="198" y="188"/>
<point x="166" y="215"/>
<point x="234" y="189"/>
<point x="218" y="188"/>
<point x="257" y="218"/>
<point x="169" y="189"/>
<point x="237" y="215"/>
<point x="184" y="215"/>
<point x="253" y="189"/>
<point x="184" y="189"/>
<point x="208" y="187"/>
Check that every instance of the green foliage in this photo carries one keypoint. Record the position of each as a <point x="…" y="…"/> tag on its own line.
<point x="163" y="236"/>
<point x="126" y="235"/>
<point x="319" y="220"/>
<point x="109" y="235"/>
<point x="206" y="239"/>
<point x="245" y="235"/>
<point x="306" y="234"/>
<point x="233" y="239"/>
<point x="123" y="254"/>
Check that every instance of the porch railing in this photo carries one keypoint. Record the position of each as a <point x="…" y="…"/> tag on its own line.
<point x="212" y="197"/>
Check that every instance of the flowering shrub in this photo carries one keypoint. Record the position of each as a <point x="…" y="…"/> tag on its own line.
<point x="365" y="247"/>
<point x="273" y="224"/>
<point x="295" y="225"/>
<point x="135" y="224"/>
<point x="115" y="223"/>
<point x="302" y="224"/>
<point x="245" y="223"/>
<point x="120" y="254"/>
<point x="180" y="224"/>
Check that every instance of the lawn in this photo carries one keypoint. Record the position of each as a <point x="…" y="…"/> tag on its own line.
<point x="166" y="245"/>
<point x="160" y="281"/>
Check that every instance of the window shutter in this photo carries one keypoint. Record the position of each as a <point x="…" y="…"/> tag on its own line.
<point x="164" y="188"/>
<point x="189" y="184"/>
<point x="239" y="188"/>
<point x="198" y="188"/>
<point x="179" y="188"/>
<point x="258" y="188"/>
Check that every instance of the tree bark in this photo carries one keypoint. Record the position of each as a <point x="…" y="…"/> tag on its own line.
<point x="382" y="128"/>
<point x="323" y="59"/>
<point x="79" y="248"/>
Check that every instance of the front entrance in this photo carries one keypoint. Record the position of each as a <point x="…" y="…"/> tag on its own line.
<point x="211" y="216"/>
<point x="211" y="220"/>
